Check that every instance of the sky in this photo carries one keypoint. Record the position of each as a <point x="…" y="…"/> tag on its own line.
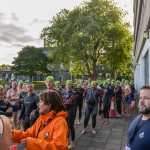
<point x="21" y="22"/>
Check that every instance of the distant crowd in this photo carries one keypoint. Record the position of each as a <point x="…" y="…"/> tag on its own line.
<point x="31" y="113"/>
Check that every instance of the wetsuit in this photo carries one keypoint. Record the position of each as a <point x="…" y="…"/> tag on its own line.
<point x="100" y="100"/>
<point x="106" y="99"/>
<point x="29" y="104"/>
<point x="78" y="103"/>
<point x="4" y="105"/>
<point x="69" y="97"/>
<point x="118" y="92"/>
<point x="22" y="95"/>
<point x="92" y="106"/>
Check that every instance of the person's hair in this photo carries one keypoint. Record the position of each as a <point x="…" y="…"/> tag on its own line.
<point x="145" y="87"/>
<point x="52" y="98"/>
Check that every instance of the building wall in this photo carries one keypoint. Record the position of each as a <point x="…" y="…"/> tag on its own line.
<point x="141" y="44"/>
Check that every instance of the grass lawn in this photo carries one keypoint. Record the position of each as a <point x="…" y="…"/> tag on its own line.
<point x="38" y="85"/>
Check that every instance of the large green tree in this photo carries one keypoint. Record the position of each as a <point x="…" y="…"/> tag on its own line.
<point x="30" y="60"/>
<point x="93" y="34"/>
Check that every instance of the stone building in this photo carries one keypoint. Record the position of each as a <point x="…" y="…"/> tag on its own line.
<point x="141" y="9"/>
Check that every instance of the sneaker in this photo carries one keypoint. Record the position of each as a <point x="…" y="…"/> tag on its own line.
<point x="93" y="131"/>
<point x="100" y="116"/>
<point x="103" y="122"/>
<point x="119" y="116"/>
<point x="72" y="145"/>
<point x="83" y="131"/>
<point x="79" y="122"/>
<point x="106" y="122"/>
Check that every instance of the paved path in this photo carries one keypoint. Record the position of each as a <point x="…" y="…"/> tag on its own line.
<point x="112" y="136"/>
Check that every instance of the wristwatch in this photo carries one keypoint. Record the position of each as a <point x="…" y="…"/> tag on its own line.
<point x="1" y="127"/>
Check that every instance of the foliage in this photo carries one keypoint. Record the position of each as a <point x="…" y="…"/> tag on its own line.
<point x="2" y="82"/>
<point x="30" y="61"/>
<point x="39" y="85"/>
<point x="4" y="66"/>
<point x="90" y="35"/>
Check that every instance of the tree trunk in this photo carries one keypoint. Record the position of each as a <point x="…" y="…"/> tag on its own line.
<point x="94" y="70"/>
<point x="88" y="69"/>
<point x="30" y="77"/>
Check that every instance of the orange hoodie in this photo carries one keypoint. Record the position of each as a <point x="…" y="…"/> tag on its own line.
<point x="53" y="137"/>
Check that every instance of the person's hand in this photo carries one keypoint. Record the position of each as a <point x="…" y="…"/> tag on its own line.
<point x="24" y="142"/>
<point x="32" y="114"/>
<point x="18" y="122"/>
<point x="102" y="107"/>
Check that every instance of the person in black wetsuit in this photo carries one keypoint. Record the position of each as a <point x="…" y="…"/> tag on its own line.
<point x="93" y="94"/>
<point x="106" y="100"/>
<point x="22" y="95"/>
<point x="5" y="106"/>
<point x="49" y="87"/>
<point x="100" y="87"/>
<point x="118" y="98"/>
<point x="78" y="103"/>
<point x="69" y="99"/>
<point x="29" y="104"/>
<point x="59" y="88"/>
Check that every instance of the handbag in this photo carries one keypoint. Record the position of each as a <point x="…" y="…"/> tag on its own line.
<point x="132" y="104"/>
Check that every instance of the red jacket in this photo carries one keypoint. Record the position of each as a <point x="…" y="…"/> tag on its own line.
<point x="53" y="137"/>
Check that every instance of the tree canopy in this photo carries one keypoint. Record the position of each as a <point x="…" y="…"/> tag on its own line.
<point x="4" y="66"/>
<point x="30" y="60"/>
<point x="92" y="34"/>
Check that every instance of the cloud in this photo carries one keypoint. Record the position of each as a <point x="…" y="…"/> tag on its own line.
<point x="1" y="16"/>
<point x="14" y="17"/>
<point x="11" y="32"/>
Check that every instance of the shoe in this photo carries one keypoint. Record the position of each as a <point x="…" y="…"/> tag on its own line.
<point x="125" y="113"/>
<point x="100" y="116"/>
<point x="79" y="122"/>
<point x="103" y="122"/>
<point x="106" y="122"/>
<point x="119" y="116"/>
<point x="72" y="145"/>
<point x="83" y="131"/>
<point x="93" y="131"/>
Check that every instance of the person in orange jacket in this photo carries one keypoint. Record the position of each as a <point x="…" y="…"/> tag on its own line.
<point x="50" y="131"/>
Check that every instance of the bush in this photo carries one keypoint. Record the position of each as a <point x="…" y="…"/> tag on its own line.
<point x="2" y="82"/>
<point x="39" y="85"/>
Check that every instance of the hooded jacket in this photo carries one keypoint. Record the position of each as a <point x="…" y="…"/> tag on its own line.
<point x="53" y="136"/>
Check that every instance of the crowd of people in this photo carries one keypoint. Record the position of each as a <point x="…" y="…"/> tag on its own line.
<point x="46" y="120"/>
